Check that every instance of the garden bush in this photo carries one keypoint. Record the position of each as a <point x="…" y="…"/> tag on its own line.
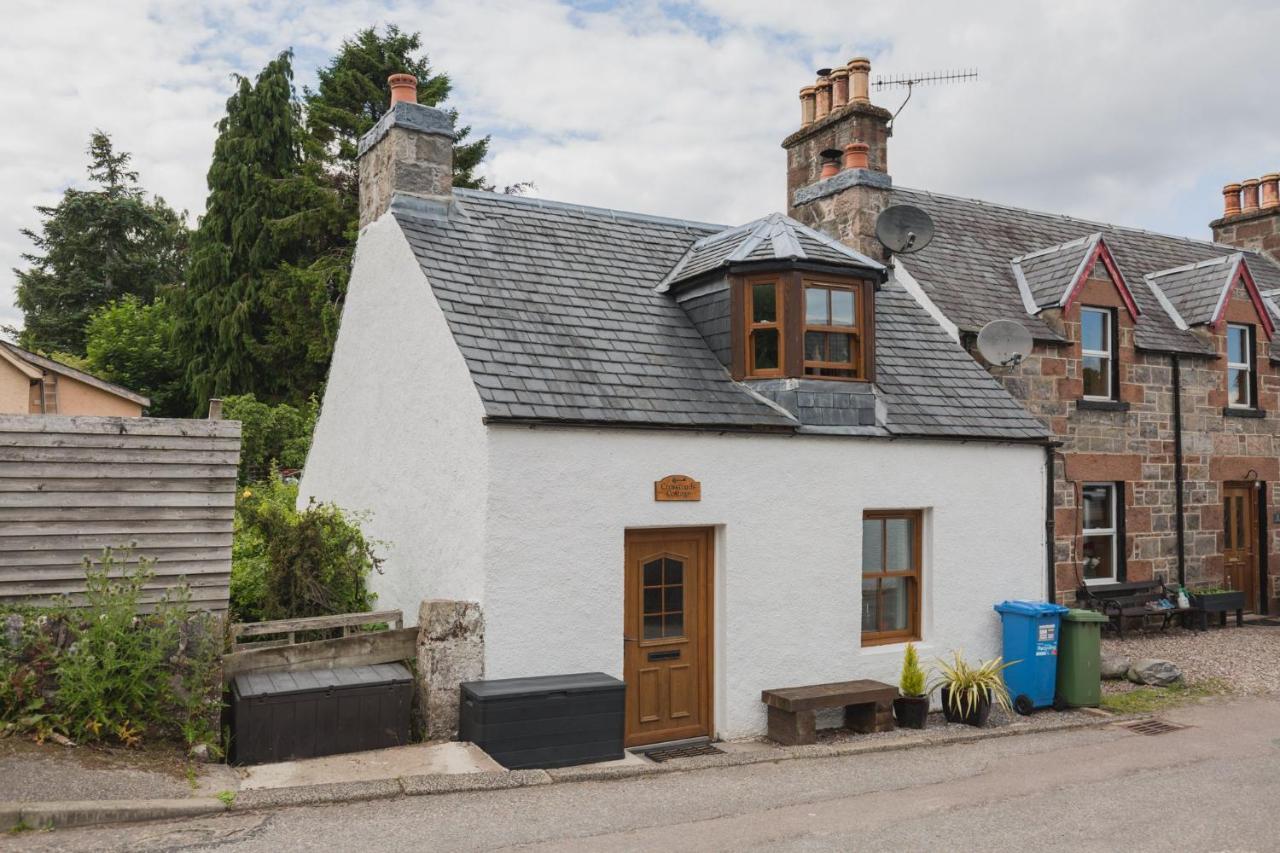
<point x="103" y="671"/>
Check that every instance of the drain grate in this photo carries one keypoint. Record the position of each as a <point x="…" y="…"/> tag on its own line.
<point x="670" y="752"/>
<point x="1153" y="727"/>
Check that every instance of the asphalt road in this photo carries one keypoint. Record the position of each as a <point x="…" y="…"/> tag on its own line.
<point x="1212" y="786"/>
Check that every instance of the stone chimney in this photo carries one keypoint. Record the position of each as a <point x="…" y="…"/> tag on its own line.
<point x="1251" y="215"/>
<point x="408" y="153"/>
<point x="844" y="199"/>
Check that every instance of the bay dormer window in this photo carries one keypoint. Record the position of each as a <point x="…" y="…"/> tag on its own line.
<point x="798" y="324"/>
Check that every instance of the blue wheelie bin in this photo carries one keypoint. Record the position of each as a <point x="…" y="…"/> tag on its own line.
<point x="1031" y="639"/>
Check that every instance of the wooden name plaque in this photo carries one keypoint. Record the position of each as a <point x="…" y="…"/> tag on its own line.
<point x="677" y="487"/>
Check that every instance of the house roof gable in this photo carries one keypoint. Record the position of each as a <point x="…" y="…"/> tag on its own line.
<point x="40" y="362"/>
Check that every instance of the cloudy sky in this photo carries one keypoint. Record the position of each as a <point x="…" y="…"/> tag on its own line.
<point x="1131" y="112"/>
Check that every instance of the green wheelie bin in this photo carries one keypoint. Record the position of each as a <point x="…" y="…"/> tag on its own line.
<point x="1080" y="659"/>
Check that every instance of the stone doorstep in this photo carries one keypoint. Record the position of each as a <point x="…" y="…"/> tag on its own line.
<point x="736" y="753"/>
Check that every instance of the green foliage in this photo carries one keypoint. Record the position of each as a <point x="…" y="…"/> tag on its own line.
<point x="130" y="342"/>
<point x="1150" y="700"/>
<point x="288" y="563"/>
<point x="271" y="436"/>
<point x="95" y="246"/>
<point x="912" y="682"/>
<point x="227" y="798"/>
<point x="105" y="671"/>
<point x="967" y="684"/>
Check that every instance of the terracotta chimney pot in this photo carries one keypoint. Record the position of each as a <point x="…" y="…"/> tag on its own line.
<point x="856" y="155"/>
<point x="824" y="96"/>
<point x="1249" y="192"/>
<point x="808" y="103"/>
<point x="1270" y="191"/>
<point x="1231" y="199"/>
<point x="830" y="162"/>
<point x="404" y="87"/>
<point x="839" y="88"/>
<point x="859" y="80"/>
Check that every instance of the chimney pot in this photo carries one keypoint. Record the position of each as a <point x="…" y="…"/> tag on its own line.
<point x="808" y="99"/>
<point x="824" y="97"/>
<point x="1249" y="193"/>
<point x="859" y="80"/>
<point x="404" y="87"/>
<point x="839" y="88"/>
<point x="856" y="155"/>
<point x="830" y="162"/>
<point x="1231" y="199"/>
<point x="1270" y="191"/>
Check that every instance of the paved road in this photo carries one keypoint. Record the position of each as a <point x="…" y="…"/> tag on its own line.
<point x="1212" y="786"/>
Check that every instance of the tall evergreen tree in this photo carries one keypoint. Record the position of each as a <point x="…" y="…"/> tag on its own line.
<point x="221" y="316"/>
<point x="95" y="246"/>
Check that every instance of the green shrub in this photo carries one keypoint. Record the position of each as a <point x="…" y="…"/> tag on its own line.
<point x="912" y="682"/>
<point x="105" y="671"/>
<point x="276" y="436"/>
<point x="288" y="564"/>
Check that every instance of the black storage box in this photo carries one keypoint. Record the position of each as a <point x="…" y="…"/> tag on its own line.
<point x="550" y="721"/>
<point x="277" y="716"/>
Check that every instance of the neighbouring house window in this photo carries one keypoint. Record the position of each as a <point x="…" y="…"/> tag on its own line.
<point x="764" y="336"/>
<point x="891" y="576"/>
<point x="1240" y="371"/>
<point x="1101" y="553"/>
<point x="1097" y="351"/>
<point x="832" y="345"/>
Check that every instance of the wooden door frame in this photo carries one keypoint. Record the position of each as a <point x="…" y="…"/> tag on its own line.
<point x="1260" y="550"/>
<point x="705" y="643"/>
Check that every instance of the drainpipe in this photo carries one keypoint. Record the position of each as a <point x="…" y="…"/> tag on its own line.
<point x="1177" y="470"/>
<point x="1050" y="528"/>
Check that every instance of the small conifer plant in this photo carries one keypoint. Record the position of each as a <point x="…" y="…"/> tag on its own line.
<point x="912" y="682"/>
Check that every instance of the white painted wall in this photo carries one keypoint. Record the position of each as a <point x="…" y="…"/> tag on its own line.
<point x="788" y="514"/>
<point x="400" y="434"/>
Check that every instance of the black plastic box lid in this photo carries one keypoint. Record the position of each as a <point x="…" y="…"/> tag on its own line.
<point x="253" y="685"/>
<point x="504" y="688"/>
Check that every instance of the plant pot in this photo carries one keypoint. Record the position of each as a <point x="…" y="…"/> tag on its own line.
<point x="1218" y="602"/>
<point x="976" y="716"/>
<point x="911" y="712"/>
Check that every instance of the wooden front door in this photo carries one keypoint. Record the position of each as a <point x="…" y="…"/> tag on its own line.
<point x="667" y="635"/>
<point x="1240" y="540"/>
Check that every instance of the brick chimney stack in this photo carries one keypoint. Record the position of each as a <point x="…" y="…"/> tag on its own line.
<point x="1251" y="215"/>
<point x="408" y="153"/>
<point x="843" y="202"/>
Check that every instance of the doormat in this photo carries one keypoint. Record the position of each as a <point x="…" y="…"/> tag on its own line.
<point x="1153" y="727"/>
<point x="670" y="752"/>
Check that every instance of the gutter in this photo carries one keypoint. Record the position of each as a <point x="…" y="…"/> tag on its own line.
<point x="1177" y="469"/>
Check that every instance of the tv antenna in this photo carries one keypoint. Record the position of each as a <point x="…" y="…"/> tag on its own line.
<point x="1004" y="343"/>
<point x="910" y="81"/>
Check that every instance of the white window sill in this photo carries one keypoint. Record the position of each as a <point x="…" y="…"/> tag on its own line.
<point x="896" y="649"/>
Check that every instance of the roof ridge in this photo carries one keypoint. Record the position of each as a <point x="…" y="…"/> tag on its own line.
<point x="534" y="201"/>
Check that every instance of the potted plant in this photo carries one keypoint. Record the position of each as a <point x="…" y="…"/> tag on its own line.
<point x="911" y="708"/>
<point x="1208" y="599"/>
<point x="968" y="691"/>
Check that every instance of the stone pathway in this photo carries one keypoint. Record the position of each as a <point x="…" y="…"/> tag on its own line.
<point x="1247" y="659"/>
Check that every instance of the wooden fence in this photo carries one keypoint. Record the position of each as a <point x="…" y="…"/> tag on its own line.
<point x="71" y="486"/>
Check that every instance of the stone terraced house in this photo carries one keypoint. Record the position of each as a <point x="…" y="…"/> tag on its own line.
<point x="1154" y="364"/>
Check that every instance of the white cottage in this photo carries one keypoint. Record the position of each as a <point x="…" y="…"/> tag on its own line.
<point x="705" y="460"/>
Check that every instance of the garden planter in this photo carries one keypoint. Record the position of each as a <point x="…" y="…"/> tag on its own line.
<point x="1220" y="603"/>
<point x="911" y="712"/>
<point x="976" y="716"/>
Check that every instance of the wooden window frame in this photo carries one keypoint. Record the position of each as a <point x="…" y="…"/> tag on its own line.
<point x="857" y="355"/>
<point x="1110" y="354"/>
<point x="916" y="590"/>
<point x="779" y="324"/>
<point x="791" y="324"/>
<point x="1249" y="366"/>
<point x="1115" y="531"/>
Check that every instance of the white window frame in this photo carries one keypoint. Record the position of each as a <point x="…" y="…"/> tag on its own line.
<point x="1246" y="366"/>
<point x="1108" y="336"/>
<point x="1113" y="531"/>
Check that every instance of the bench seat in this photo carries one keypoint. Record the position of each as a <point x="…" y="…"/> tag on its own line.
<point x="868" y="707"/>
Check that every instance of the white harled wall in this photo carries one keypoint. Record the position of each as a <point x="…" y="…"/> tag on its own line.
<point x="788" y="512"/>
<point x="400" y="435"/>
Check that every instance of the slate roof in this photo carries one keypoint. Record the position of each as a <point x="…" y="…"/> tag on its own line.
<point x="774" y="237"/>
<point x="42" y="363"/>
<point x="556" y="311"/>
<point x="1195" y="291"/>
<point x="1045" y="277"/>
<point x="967" y="270"/>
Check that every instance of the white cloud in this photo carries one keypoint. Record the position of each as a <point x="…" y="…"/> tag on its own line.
<point x="1129" y="112"/>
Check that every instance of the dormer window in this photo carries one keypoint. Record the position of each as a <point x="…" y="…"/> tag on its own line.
<point x="1098" y="353"/>
<point x="795" y="324"/>
<point x="1240" y="369"/>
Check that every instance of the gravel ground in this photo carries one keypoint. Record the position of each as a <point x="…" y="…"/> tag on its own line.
<point x="1247" y="659"/>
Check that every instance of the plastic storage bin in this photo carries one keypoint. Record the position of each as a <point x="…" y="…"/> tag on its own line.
<point x="1030" y="631"/>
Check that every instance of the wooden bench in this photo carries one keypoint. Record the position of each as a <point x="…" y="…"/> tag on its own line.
<point x="1121" y="601"/>
<point x="868" y="707"/>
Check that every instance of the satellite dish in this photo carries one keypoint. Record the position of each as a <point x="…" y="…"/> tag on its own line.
<point x="904" y="228"/>
<point x="1004" y="342"/>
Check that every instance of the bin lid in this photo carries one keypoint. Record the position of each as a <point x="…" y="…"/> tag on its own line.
<point x="582" y="682"/>
<point x="255" y="684"/>
<point x="1030" y="608"/>
<point x="1075" y="615"/>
